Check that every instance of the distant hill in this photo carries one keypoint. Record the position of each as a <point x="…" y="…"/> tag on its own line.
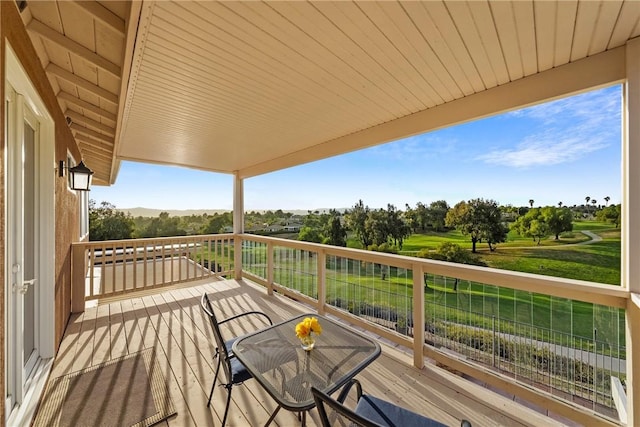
<point x="135" y="212"/>
<point x="146" y="212"/>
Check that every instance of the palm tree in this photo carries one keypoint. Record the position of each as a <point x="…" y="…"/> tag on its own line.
<point x="560" y="204"/>
<point x="606" y="200"/>
<point x="531" y="202"/>
<point x="586" y="199"/>
<point x="594" y="201"/>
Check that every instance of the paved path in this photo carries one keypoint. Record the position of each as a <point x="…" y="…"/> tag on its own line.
<point x="594" y="238"/>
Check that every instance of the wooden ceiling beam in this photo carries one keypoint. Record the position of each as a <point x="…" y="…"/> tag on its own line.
<point x="88" y="151"/>
<point x="94" y="143"/>
<point x="79" y="118"/>
<point x="67" y="97"/>
<point x="86" y="131"/>
<point x="79" y="81"/>
<point x="103" y="15"/>
<point x="74" y="47"/>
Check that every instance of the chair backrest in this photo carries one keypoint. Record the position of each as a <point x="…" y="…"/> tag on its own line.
<point x="333" y="413"/>
<point x="217" y="333"/>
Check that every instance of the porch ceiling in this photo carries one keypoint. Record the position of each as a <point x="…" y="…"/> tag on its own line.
<point x="255" y="87"/>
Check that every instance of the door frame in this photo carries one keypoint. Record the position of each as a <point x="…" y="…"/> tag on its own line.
<point x="16" y="79"/>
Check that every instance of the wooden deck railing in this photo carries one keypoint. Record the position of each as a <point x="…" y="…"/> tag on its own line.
<point x="315" y="274"/>
<point x="110" y="268"/>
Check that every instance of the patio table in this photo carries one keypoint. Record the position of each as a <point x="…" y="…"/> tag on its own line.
<point x="275" y="358"/>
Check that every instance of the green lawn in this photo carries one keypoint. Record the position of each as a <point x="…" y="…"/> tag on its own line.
<point x="476" y="304"/>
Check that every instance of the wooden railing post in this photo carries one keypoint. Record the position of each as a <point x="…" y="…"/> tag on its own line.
<point x="270" y="268"/>
<point x="418" y="316"/>
<point x="237" y="256"/>
<point x="321" y="259"/>
<point x="79" y="268"/>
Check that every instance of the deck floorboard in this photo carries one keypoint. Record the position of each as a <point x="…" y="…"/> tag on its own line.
<point x="173" y="323"/>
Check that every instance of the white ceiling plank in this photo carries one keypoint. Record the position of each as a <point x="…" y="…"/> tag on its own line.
<point x="485" y="24"/>
<point x="436" y="42"/>
<point x="353" y="55"/>
<point x="466" y="26"/>
<point x="628" y="19"/>
<point x="565" y="23"/>
<point x="424" y="67"/>
<point x="250" y="60"/>
<point x="607" y="18"/>
<point x="300" y="52"/>
<point x="445" y="25"/>
<point x="505" y="22"/>
<point x="545" y="25"/>
<point x="358" y="29"/>
<point x="72" y="78"/>
<point x="586" y="20"/>
<point x="525" y="25"/>
<point x="73" y="47"/>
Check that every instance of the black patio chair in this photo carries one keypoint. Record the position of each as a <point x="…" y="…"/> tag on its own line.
<point x="369" y="411"/>
<point x="234" y="370"/>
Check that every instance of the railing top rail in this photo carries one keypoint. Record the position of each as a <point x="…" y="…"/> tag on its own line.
<point x="155" y="240"/>
<point x="580" y="290"/>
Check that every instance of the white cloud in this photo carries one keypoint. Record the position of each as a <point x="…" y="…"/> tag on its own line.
<point x="573" y="128"/>
<point x="419" y="146"/>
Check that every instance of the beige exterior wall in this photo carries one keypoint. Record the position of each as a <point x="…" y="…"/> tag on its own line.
<point x="66" y="204"/>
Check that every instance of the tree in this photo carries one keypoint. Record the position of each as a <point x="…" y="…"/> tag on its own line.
<point x="356" y="219"/>
<point x="559" y="204"/>
<point x="478" y="219"/>
<point x="610" y="214"/>
<point x="558" y="220"/>
<point x="586" y="199"/>
<point x="593" y="202"/>
<point x="335" y="233"/>
<point x="107" y="223"/>
<point x="540" y="223"/>
<point x="437" y="214"/>
<point x="218" y="222"/>
<point x="606" y="200"/>
<point x="396" y="226"/>
<point x="309" y="234"/>
<point x="531" y="202"/>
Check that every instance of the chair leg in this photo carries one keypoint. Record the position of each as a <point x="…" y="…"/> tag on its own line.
<point x="226" y="410"/>
<point x="215" y="378"/>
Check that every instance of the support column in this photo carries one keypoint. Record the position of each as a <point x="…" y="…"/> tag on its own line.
<point x="630" y="269"/>
<point x="238" y="224"/>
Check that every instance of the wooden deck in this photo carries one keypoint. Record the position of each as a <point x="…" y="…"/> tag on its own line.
<point x="172" y="322"/>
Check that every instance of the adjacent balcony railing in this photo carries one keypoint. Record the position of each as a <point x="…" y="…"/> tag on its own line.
<point x="555" y="342"/>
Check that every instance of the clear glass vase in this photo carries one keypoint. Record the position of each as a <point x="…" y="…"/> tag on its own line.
<point x="308" y="342"/>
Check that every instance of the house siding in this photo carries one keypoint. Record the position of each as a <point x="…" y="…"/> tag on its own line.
<point x="12" y="30"/>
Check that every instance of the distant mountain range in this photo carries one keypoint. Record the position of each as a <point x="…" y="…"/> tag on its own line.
<point x="146" y="212"/>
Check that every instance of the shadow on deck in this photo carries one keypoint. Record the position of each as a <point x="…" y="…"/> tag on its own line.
<point x="172" y="322"/>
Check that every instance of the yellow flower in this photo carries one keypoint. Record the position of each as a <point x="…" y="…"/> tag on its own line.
<point x="302" y="330"/>
<point x="308" y="325"/>
<point x="315" y="325"/>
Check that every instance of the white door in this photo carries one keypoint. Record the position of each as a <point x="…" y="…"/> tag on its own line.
<point x="23" y="137"/>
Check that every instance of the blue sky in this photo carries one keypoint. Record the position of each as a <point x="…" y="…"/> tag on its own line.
<point x="563" y="151"/>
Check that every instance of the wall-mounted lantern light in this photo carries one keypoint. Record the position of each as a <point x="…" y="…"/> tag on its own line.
<point x="79" y="176"/>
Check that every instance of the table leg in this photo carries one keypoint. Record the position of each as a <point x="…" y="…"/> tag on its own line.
<point x="272" y="416"/>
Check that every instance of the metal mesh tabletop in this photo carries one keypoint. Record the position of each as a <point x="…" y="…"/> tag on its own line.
<point x="275" y="358"/>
